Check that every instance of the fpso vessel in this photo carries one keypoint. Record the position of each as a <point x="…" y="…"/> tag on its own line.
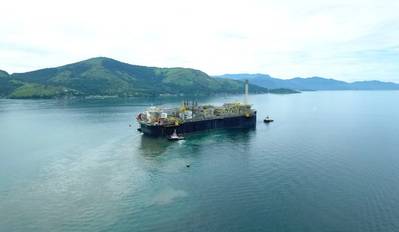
<point x="191" y="117"/>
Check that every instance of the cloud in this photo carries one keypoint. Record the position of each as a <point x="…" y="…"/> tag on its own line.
<point x="285" y="38"/>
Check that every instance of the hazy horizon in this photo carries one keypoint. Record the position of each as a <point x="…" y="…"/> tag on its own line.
<point x="266" y="74"/>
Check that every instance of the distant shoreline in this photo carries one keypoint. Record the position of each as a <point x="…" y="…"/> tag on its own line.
<point x="100" y="97"/>
<point x="277" y="92"/>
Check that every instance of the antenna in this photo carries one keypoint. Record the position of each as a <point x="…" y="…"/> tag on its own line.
<point x="246" y="92"/>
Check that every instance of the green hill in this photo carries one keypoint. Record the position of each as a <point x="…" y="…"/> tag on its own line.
<point x="107" y="77"/>
<point x="3" y="74"/>
<point x="7" y="86"/>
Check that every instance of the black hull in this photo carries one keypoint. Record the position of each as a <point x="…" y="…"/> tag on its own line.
<point x="188" y="127"/>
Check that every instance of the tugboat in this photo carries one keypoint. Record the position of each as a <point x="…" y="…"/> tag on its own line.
<point x="175" y="136"/>
<point x="268" y="120"/>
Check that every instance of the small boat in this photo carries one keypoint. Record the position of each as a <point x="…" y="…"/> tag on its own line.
<point x="175" y="136"/>
<point x="268" y="120"/>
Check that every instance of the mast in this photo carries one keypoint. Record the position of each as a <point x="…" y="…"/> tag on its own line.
<point x="246" y="92"/>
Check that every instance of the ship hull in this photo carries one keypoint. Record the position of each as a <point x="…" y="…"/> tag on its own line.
<point x="188" y="127"/>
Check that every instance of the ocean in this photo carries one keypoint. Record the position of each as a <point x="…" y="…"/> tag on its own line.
<point x="329" y="162"/>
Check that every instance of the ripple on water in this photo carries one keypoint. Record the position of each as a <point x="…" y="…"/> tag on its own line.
<point x="166" y="196"/>
<point x="318" y="168"/>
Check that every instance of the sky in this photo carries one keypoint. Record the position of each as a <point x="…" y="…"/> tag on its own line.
<point x="348" y="40"/>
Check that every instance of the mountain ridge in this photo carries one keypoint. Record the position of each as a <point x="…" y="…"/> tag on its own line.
<point x="310" y="83"/>
<point x="104" y="76"/>
<point x="3" y="73"/>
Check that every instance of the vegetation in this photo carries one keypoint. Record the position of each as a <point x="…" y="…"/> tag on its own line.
<point x="7" y="86"/>
<point x="283" y="91"/>
<point x="107" y="77"/>
<point x="3" y="74"/>
<point x="37" y="91"/>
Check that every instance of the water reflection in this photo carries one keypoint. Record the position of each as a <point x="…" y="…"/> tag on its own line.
<point x="232" y="135"/>
<point x="153" y="147"/>
<point x="196" y="142"/>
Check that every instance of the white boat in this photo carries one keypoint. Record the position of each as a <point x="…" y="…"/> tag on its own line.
<point x="175" y="136"/>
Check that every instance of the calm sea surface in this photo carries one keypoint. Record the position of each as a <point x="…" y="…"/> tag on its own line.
<point x="329" y="162"/>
